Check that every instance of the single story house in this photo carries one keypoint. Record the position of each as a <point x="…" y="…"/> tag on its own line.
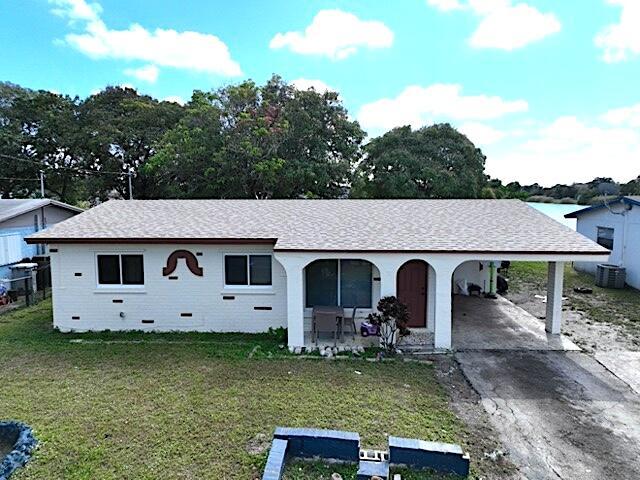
<point x="22" y="217"/>
<point x="616" y="226"/>
<point x="251" y="265"/>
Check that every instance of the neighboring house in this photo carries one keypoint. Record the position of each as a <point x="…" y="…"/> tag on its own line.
<point x="251" y="265"/>
<point x="615" y="226"/>
<point x="22" y="217"/>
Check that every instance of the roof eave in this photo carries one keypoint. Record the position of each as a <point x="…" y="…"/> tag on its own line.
<point x="138" y="240"/>
<point x="49" y="202"/>
<point x="621" y="199"/>
<point x="463" y="252"/>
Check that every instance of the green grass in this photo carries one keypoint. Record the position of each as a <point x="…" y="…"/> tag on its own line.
<point x="193" y="406"/>
<point x="603" y="305"/>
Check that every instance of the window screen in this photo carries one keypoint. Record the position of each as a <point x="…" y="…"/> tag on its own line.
<point x="605" y="237"/>
<point x="355" y="283"/>
<point x="132" y="270"/>
<point x="235" y="270"/>
<point x="322" y="283"/>
<point x="260" y="269"/>
<point x="109" y="269"/>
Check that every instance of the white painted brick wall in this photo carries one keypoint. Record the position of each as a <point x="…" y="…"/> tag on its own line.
<point x="161" y="299"/>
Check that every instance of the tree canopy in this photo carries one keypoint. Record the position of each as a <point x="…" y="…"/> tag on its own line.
<point x="250" y="141"/>
<point x="431" y="162"/>
<point x="85" y="148"/>
<point x="239" y="141"/>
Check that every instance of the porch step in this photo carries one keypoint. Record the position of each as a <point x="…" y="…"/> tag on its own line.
<point x="415" y="347"/>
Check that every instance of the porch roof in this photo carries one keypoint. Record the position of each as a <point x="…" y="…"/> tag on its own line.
<point x="439" y="226"/>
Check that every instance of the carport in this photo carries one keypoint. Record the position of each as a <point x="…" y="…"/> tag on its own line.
<point x="480" y="323"/>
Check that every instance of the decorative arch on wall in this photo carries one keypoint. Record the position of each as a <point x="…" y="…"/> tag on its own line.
<point x="189" y="258"/>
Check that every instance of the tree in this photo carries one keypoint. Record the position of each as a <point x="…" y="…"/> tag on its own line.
<point x="631" y="188"/>
<point x="119" y="130"/>
<point x="431" y="162"/>
<point x="38" y="129"/>
<point x="250" y="141"/>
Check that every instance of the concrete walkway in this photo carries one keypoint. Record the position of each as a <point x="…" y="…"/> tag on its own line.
<point x="484" y="324"/>
<point x="623" y="364"/>
<point x="561" y="414"/>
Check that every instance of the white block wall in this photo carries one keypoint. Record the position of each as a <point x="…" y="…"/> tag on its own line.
<point x="626" y="239"/>
<point x="161" y="299"/>
<point x="471" y="272"/>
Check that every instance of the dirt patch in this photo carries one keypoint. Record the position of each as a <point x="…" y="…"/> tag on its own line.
<point x="489" y="457"/>
<point x="259" y="444"/>
<point x="589" y="335"/>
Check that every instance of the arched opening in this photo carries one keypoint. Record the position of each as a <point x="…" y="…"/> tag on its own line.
<point x="414" y="284"/>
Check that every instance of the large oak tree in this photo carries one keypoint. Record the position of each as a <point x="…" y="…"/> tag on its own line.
<point x="251" y="141"/>
<point x="431" y="162"/>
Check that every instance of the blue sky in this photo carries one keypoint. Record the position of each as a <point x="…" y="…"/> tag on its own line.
<point x="548" y="89"/>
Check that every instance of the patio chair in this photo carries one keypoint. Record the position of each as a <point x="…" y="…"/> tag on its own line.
<point x="351" y="322"/>
<point x="326" y="320"/>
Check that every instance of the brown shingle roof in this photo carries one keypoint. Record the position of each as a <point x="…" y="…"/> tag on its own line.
<point x="339" y="225"/>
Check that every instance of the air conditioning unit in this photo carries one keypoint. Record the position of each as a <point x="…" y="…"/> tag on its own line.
<point x="610" y="276"/>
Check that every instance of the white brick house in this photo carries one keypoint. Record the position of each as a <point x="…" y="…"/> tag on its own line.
<point x="251" y="265"/>
<point x="617" y="227"/>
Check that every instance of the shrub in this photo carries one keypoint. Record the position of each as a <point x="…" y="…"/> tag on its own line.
<point x="392" y="319"/>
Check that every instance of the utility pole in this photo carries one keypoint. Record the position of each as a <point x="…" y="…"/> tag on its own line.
<point x="41" y="183"/>
<point x="130" y="187"/>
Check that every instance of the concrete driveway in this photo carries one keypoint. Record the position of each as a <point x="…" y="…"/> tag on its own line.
<point x="484" y="324"/>
<point x="561" y="414"/>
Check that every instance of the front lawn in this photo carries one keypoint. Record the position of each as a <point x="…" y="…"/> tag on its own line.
<point x="193" y="406"/>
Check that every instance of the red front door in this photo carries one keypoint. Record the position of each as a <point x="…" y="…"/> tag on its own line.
<point x="412" y="291"/>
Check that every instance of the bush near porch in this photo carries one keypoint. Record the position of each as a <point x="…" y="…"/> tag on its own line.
<point x="148" y="406"/>
<point x="604" y="305"/>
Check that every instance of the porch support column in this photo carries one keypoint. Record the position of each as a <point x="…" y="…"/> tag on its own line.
<point x="294" y="268"/>
<point x="431" y="299"/>
<point x="388" y="272"/>
<point x="442" y="334"/>
<point x="554" y="297"/>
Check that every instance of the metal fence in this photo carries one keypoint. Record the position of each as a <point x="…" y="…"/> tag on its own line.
<point x="27" y="286"/>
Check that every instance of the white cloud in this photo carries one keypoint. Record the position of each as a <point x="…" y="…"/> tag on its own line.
<point x="445" y="5"/>
<point x="76" y="9"/>
<point x="148" y="73"/>
<point x="418" y="106"/>
<point x="503" y="25"/>
<point x="621" y="40"/>
<point x="306" y="84"/>
<point x="482" y="134"/>
<point x="161" y="47"/>
<point x="624" y="116"/>
<point x="568" y="150"/>
<point x="514" y="27"/>
<point x="335" y="34"/>
<point x="174" y="99"/>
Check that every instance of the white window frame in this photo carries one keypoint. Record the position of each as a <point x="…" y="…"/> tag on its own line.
<point x="119" y="286"/>
<point x="248" y="286"/>
<point x="613" y="235"/>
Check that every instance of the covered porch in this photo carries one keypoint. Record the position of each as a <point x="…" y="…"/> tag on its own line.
<point x="426" y="283"/>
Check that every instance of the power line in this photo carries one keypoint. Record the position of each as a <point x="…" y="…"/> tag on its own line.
<point x="61" y="167"/>
<point x="129" y="174"/>
<point x="21" y="179"/>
